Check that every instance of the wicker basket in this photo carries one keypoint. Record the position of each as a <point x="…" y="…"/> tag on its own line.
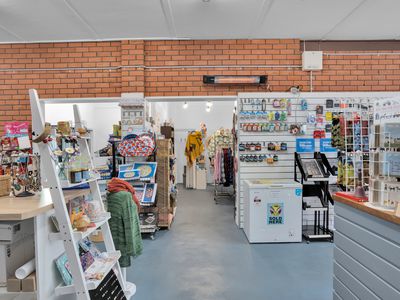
<point x="5" y="185"/>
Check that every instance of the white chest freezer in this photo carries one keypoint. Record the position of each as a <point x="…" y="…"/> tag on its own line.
<point x="272" y="211"/>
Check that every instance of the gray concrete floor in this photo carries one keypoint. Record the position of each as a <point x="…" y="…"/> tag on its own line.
<point x="206" y="256"/>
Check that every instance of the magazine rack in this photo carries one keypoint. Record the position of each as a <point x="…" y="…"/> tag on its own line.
<point x="81" y="287"/>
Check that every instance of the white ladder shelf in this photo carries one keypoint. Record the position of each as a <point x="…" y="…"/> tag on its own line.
<point x="80" y="286"/>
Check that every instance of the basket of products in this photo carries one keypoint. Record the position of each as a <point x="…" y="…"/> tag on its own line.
<point x="5" y="185"/>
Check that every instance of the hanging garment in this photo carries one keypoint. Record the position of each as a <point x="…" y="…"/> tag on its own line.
<point x="194" y="146"/>
<point x="220" y="139"/>
<point x="118" y="185"/>
<point x="125" y="226"/>
<point x="224" y="166"/>
<point x="228" y="167"/>
<point x="217" y="166"/>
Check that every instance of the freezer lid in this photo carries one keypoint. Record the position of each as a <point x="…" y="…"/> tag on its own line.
<point x="272" y="183"/>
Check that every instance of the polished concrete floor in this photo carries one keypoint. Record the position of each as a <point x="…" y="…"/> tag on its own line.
<point x="206" y="256"/>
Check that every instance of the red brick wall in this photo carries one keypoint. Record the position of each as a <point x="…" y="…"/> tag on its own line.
<point x="161" y="77"/>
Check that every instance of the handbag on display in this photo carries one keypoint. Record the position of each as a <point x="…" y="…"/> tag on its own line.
<point x="136" y="145"/>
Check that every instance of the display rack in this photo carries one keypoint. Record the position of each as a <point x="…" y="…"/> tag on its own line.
<point x="384" y="172"/>
<point x="225" y="142"/>
<point x="355" y="118"/>
<point x="165" y="177"/>
<point x="81" y="287"/>
<point x="314" y="176"/>
<point x="274" y="154"/>
<point x="283" y="168"/>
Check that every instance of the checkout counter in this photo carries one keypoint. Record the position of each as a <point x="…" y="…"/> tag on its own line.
<point x="366" y="252"/>
<point x="37" y="209"/>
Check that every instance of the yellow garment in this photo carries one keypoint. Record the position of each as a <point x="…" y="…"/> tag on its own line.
<point x="194" y="146"/>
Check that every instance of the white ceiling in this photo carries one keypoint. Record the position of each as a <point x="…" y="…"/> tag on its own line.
<point x="73" y="20"/>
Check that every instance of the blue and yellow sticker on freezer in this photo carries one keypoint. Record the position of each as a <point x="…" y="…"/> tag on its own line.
<point x="275" y="214"/>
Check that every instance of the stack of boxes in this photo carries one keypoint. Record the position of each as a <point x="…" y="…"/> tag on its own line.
<point x="165" y="208"/>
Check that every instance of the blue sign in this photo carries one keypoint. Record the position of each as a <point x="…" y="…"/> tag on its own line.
<point x="298" y="192"/>
<point x="305" y="145"/>
<point x="325" y="145"/>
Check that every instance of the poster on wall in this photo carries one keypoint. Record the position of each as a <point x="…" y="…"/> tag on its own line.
<point x="305" y="145"/>
<point x="325" y="145"/>
<point x="16" y="136"/>
<point x="16" y="129"/>
<point x="387" y="111"/>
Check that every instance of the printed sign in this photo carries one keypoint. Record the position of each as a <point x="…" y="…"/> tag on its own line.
<point x="387" y="111"/>
<point x="275" y="214"/>
<point x="298" y="192"/>
<point x="304" y="145"/>
<point x="128" y="172"/>
<point x="16" y="129"/>
<point x="325" y="145"/>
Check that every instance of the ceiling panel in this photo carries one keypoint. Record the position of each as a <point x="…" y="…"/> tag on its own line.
<point x="42" y="20"/>
<point x="373" y="20"/>
<point x="216" y="18"/>
<point x="123" y="18"/>
<point x="6" y="36"/>
<point x="69" y="20"/>
<point x="305" y="19"/>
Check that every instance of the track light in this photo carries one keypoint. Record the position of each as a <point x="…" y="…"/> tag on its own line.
<point x="185" y="105"/>
<point x="209" y="104"/>
<point x="208" y="108"/>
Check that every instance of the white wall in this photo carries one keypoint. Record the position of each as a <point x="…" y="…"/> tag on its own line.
<point x="189" y="119"/>
<point x="101" y="116"/>
<point x="159" y="111"/>
<point x="98" y="116"/>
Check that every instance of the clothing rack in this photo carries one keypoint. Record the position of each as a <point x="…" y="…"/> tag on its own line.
<point x="220" y="191"/>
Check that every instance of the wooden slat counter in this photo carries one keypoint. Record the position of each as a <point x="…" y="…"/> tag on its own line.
<point x="382" y="214"/>
<point x="15" y="209"/>
<point x="366" y="252"/>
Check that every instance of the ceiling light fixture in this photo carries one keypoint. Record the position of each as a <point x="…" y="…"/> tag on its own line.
<point x="185" y="105"/>
<point x="209" y="104"/>
<point x="208" y="108"/>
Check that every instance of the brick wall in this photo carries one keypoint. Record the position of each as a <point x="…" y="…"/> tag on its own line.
<point x="107" y="74"/>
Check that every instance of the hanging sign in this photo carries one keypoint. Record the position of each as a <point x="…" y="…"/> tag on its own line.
<point x="304" y="145"/>
<point x="387" y="111"/>
<point x="325" y="145"/>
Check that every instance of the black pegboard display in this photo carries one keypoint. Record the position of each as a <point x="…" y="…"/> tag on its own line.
<point x="109" y="289"/>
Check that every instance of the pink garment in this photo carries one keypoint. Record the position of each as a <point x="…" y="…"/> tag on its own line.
<point x="235" y="164"/>
<point x="217" y="166"/>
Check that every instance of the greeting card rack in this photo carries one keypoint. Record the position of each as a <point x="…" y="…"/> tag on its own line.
<point x="355" y="117"/>
<point x="384" y="191"/>
<point x="81" y="287"/>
